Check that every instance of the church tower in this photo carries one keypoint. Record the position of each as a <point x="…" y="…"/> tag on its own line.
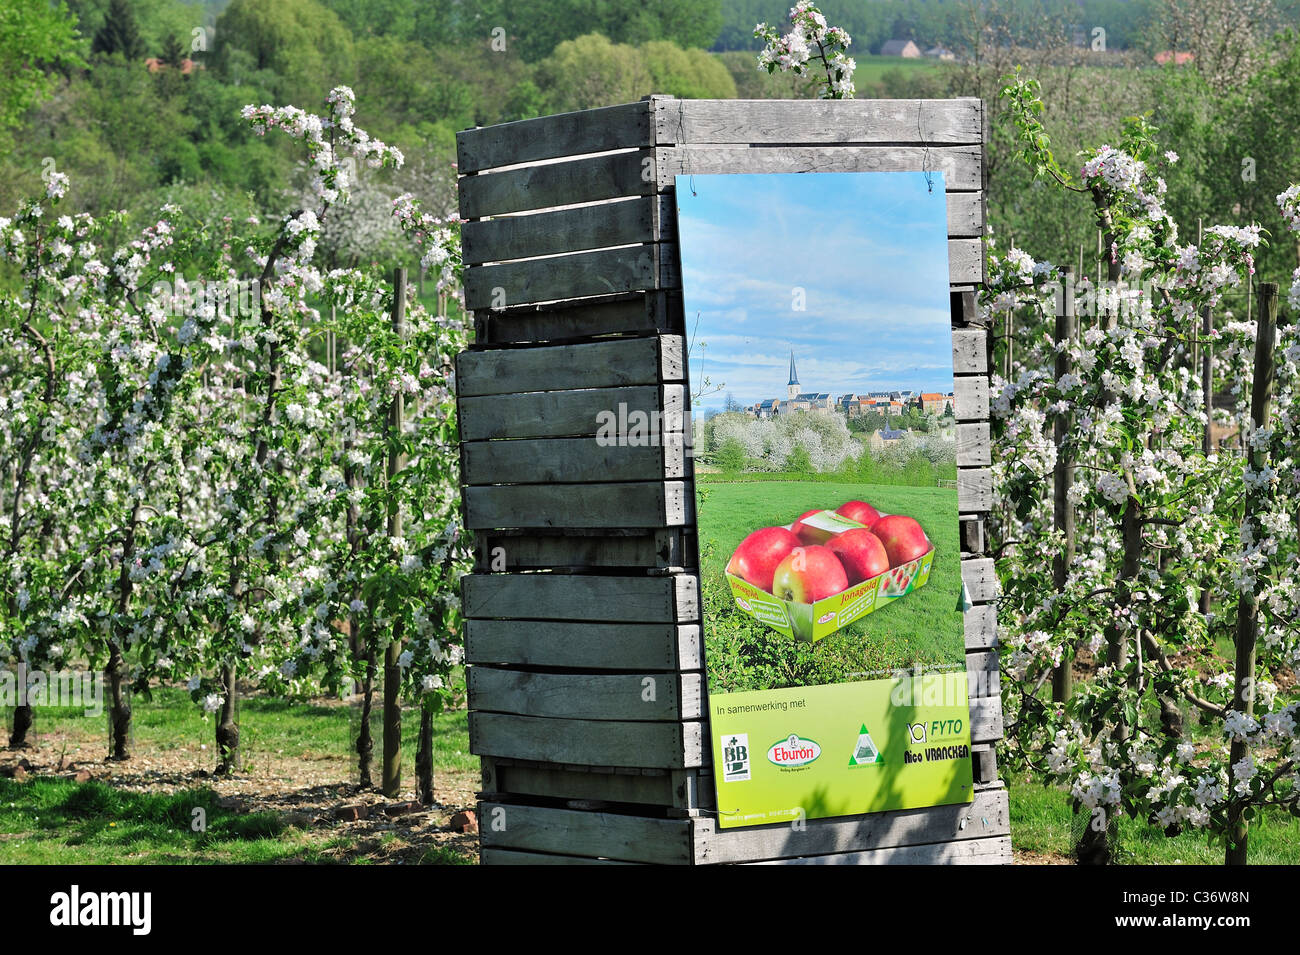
<point x="792" y="389"/>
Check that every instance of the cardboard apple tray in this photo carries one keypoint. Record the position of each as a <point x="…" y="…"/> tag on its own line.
<point x="821" y="618"/>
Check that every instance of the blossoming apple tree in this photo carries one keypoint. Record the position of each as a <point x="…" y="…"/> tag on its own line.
<point x="1184" y="546"/>
<point x="180" y="502"/>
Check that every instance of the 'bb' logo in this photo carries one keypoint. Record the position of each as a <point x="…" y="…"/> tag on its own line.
<point x="735" y="758"/>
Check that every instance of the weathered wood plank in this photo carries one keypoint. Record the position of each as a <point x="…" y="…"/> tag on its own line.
<point x="607" y="364"/>
<point x="994" y="851"/>
<point x="631" y="414"/>
<point x="965" y="215"/>
<point x="972" y="536"/>
<point x="962" y="166"/>
<point x="523" y="188"/>
<point x="593" y="834"/>
<point x="988" y="815"/>
<point x="971" y="398"/>
<point x="982" y="679"/>
<point x="970" y="352"/>
<point x="982" y="627"/>
<point x="548" y="137"/>
<point x="628" y="504"/>
<point x="619" y="222"/>
<point x="587" y="742"/>
<point x="515" y="778"/>
<point x="656" y="697"/>
<point x="974" y="489"/>
<point x="497" y="550"/>
<point x="579" y="460"/>
<point x="973" y="446"/>
<point x="986" y="719"/>
<point x="577" y="274"/>
<point x="964" y="309"/>
<point x="580" y="597"/>
<point x="984" y="763"/>
<point x="593" y="646"/>
<point x="965" y="261"/>
<point x="628" y="313"/>
<point x="981" y="579"/>
<point x="784" y="122"/>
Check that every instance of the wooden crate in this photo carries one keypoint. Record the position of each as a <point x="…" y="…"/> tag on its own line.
<point x="584" y="594"/>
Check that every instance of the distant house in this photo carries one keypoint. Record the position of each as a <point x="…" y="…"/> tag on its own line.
<point x="1177" y="58"/>
<point x="932" y="403"/>
<point x="768" y="408"/>
<point x="883" y="437"/>
<point x="904" y="48"/>
<point x="940" y="53"/>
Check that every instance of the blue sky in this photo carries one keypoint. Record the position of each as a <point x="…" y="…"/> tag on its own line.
<point x="869" y="249"/>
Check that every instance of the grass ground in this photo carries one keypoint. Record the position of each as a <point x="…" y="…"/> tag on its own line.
<point x="921" y="628"/>
<point x="298" y="770"/>
<point x="1041" y="834"/>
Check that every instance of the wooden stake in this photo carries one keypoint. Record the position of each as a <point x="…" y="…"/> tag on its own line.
<point x="1063" y="475"/>
<point x="1243" y="695"/>
<point x="392" y="778"/>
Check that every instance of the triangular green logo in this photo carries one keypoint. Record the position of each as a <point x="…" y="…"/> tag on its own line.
<point x="865" y="752"/>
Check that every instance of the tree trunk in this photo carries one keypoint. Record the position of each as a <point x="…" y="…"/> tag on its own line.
<point x="23" y="720"/>
<point x="228" y="723"/>
<point x="365" y="739"/>
<point x="424" y="759"/>
<point x="119" y="706"/>
<point x="392" y="781"/>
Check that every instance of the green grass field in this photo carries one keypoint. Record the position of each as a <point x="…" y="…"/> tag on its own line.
<point x="1041" y="824"/>
<point x="299" y="765"/>
<point x="922" y="628"/>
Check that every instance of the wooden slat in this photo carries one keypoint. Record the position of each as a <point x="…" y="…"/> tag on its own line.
<point x="986" y="719"/>
<point x="965" y="215"/>
<point x="972" y="536"/>
<point x="628" y="269"/>
<point x="656" y="697"/>
<point x="982" y="679"/>
<point x="980" y="579"/>
<point x="994" y="851"/>
<point x="582" y="548"/>
<point x="628" y="313"/>
<point x="981" y="627"/>
<point x="630" y="361"/>
<point x="612" y="176"/>
<point x="587" y="742"/>
<point x="988" y="815"/>
<point x="637" y="413"/>
<point x="628" y="504"/>
<point x="973" y="446"/>
<point x="971" y="398"/>
<point x="518" y="778"/>
<point x="579" y="460"/>
<point x="974" y="489"/>
<point x="965" y="261"/>
<point x="962" y="166"/>
<point x="619" y="222"/>
<point x="594" y="834"/>
<point x="579" y="597"/>
<point x="548" y="137"/>
<point x="984" y="763"/>
<point x="593" y="646"/>
<point x="942" y="121"/>
<point x="970" y="351"/>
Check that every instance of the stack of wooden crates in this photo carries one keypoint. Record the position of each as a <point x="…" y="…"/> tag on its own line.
<point x="587" y="695"/>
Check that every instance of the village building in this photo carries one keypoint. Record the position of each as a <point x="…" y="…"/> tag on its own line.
<point x="882" y="438"/>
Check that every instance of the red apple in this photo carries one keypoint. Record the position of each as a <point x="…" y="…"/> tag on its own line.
<point x="808" y="574"/>
<point x="810" y="534"/>
<point x="758" y="555"/>
<point x="861" y="553"/>
<point x="903" y="538"/>
<point x="859" y="511"/>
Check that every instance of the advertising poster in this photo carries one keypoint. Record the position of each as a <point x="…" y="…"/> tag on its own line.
<point x="824" y="440"/>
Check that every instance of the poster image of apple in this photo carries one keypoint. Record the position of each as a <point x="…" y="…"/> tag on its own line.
<point x="819" y="357"/>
